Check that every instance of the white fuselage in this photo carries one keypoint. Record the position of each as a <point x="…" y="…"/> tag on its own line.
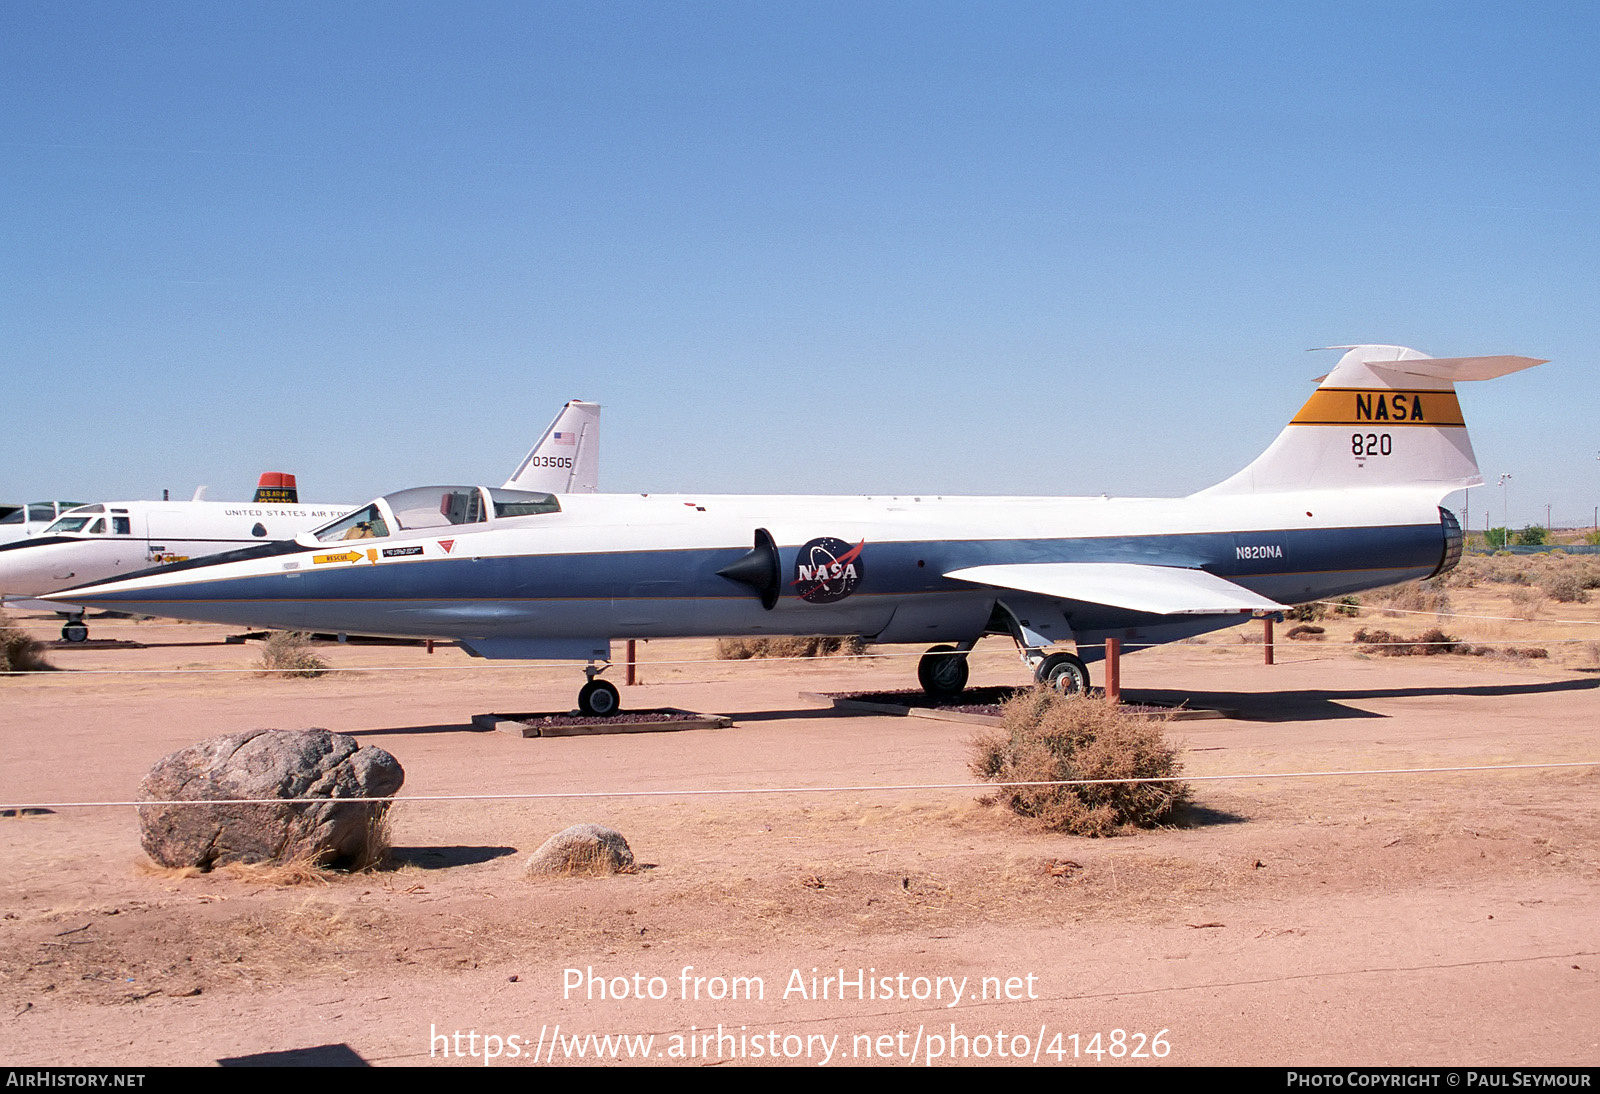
<point x="560" y="583"/>
<point x="118" y="538"/>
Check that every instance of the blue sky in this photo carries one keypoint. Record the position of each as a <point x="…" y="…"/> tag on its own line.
<point x="832" y="248"/>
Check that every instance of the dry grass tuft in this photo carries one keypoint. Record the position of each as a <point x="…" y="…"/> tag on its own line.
<point x="1412" y="596"/>
<point x="20" y="652"/>
<point x="1567" y="587"/>
<point x="741" y="649"/>
<point x="288" y="655"/>
<point x="1528" y="601"/>
<point x="1049" y="737"/>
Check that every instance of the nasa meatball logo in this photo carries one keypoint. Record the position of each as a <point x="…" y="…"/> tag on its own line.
<point x="827" y="570"/>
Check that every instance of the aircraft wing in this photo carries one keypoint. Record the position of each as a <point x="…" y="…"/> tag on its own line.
<point x="1161" y="590"/>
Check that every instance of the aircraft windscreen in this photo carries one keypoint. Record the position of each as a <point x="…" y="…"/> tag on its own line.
<point x="68" y="524"/>
<point x="367" y="523"/>
<point x="522" y="503"/>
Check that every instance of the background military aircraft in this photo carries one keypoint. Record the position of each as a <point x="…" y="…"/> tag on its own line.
<point x="20" y="519"/>
<point x="116" y="538"/>
<point x="1345" y="499"/>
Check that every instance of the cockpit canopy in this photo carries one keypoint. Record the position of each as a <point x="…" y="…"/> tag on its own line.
<point x="425" y="507"/>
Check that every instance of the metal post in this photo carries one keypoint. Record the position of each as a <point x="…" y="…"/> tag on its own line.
<point x="632" y="663"/>
<point x="1114" y="670"/>
<point x="1266" y="636"/>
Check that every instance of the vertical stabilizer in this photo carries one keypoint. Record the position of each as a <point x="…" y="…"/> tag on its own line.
<point x="1385" y="416"/>
<point x="567" y="458"/>
<point x="274" y="486"/>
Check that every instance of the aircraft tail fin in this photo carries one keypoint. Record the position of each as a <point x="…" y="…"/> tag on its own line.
<point x="278" y="487"/>
<point x="1385" y="416"/>
<point x="567" y="458"/>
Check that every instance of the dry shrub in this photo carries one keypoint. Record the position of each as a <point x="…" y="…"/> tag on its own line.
<point x="1566" y="586"/>
<point x="1307" y="613"/>
<point x="1528" y="601"/>
<point x="1307" y="633"/>
<point x="1426" y="644"/>
<point x="1413" y="596"/>
<point x="741" y="649"/>
<point x="288" y="653"/>
<point x="1045" y="736"/>
<point x="20" y="652"/>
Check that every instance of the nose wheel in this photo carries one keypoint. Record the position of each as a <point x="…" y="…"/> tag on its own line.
<point x="598" y="698"/>
<point x="75" y="630"/>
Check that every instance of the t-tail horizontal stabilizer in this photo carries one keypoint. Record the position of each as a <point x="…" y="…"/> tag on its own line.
<point x="1385" y="416"/>
<point x="1159" y="590"/>
<point x="567" y="458"/>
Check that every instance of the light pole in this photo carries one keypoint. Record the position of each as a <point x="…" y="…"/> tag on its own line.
<point x="1505" y="509"/>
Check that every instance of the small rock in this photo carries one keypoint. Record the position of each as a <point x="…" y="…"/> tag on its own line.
<point x="582" y="849"/>
<point x="268" y="763"/>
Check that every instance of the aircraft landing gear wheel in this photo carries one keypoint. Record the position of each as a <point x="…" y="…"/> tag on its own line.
<point x="1064" y="672"/>
<point x="599" y="699"/>
<point x="942" y="671"/>
<point x="75" y="630"/>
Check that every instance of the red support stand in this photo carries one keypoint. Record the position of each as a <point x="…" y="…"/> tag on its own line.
<point x="1114" y="670"/>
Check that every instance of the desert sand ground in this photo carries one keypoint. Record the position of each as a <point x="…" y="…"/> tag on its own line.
<point x="1438" y="918"/>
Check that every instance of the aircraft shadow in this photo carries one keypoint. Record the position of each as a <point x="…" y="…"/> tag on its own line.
<point x="441" y="858"/>
<point x="313" y="1056"/>
<point x="1324" y="704"/>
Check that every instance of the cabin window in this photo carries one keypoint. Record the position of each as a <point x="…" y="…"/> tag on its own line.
<point x="367" y="523"/>
<point x="122" y="526"/>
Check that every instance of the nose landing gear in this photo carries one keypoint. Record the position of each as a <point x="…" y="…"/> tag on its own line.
<point x="598" y="698"/>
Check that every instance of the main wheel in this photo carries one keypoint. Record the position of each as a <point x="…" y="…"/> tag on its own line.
<point x="1064" y="672"/>
<point x="599" y="699"/>
<point x="75" y="630"/>
<point x="942" y="671"/>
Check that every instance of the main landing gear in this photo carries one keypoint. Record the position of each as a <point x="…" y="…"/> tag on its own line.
<point x="598" y="698"/>
<point x="942" y="671"/>
<point x="75" y="630"/>
<point x="1063" y="671"/>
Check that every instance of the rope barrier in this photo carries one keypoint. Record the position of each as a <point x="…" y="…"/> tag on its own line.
<point x="855" y="789"/>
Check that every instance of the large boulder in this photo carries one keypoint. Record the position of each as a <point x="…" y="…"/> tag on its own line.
<point x="582" y="849"/>
<point x="269" y="763"/>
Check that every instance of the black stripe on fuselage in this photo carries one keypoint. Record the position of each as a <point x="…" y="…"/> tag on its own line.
<point x="889" y="568"/>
